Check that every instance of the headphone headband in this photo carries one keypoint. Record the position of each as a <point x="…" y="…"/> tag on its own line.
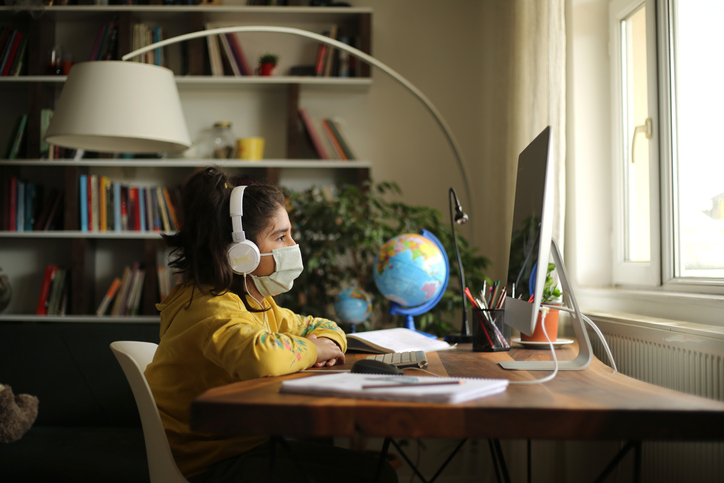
<point x="243" y="254"/>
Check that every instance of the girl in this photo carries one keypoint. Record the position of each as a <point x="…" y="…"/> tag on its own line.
<point x="221" y="325"/>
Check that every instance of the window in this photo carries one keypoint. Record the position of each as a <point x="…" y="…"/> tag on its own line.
<point x="668" y="95"/>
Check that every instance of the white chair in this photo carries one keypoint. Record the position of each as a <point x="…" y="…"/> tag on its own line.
<point x="134" y="356"/>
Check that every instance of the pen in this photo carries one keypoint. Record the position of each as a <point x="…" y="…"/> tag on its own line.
<point x="410" y="384"/>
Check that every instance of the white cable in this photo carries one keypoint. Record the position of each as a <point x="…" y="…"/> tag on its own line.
<point x="544" y="312"/>
<point x="599" y="333"/>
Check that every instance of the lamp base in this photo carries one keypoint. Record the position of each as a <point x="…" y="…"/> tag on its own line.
<point x="459" y="339"/>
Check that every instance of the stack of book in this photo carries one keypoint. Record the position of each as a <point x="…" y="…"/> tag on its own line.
<point x="27" y="207"/>
<point x="107" y="205"/>
<point x="105" y="46"/>
<point x="327" y="137"/>
<point x="53" y="291"/>
<point x="226" y="56"/>
<point x="13" y="44"/>
<point x="124" y="295"/>
<point x="144" y="35"/>
<point x="333" y="62"/>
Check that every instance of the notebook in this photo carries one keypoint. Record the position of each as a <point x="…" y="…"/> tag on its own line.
<point x="449" y="390"/>
<point x="394" y="340"/>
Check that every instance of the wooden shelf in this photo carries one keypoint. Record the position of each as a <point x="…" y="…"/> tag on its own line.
<point x="139" y="319"/>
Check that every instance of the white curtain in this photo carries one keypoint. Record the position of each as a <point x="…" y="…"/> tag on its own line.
<point x="538" y="88"/>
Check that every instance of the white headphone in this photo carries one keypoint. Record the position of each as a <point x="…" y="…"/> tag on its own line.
<point x="244" y="255"/>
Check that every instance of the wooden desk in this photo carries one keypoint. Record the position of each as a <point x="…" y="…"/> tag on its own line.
<point x="594" y="404"/>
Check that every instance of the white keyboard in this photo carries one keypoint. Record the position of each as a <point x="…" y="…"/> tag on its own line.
<point x="403" y="359"/>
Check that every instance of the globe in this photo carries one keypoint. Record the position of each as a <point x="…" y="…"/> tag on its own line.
<point x="353" y="305"/>
<point x="412" y="271"/>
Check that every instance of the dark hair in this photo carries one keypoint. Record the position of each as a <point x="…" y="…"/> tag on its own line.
<point x="199" y="248"/>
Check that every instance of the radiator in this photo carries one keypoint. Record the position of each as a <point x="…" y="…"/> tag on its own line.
<point x="687" y="358"/>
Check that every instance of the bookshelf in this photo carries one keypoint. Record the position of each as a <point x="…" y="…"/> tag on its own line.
<point x="256" y="106"/>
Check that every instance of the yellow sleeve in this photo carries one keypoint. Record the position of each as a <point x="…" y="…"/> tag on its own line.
<point x="248" y="350"/>
<point x="302" y="326"/>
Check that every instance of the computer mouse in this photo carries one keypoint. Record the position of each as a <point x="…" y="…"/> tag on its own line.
<point x="371" y="366"/>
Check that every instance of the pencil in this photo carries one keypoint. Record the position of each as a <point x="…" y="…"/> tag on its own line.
<point x="413" y="384"/>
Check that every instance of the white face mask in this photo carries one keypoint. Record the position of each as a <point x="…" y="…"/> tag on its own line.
<point x="288" y="267"/>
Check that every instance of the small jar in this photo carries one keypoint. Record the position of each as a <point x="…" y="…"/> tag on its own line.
<point x="222" y="141"/>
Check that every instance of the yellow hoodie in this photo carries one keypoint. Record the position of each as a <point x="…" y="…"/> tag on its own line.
<point x="215" y="341"/>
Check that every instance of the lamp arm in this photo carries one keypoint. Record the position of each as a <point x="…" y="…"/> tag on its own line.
<point x="465" y="327"/>
<point x="342" y="46"/>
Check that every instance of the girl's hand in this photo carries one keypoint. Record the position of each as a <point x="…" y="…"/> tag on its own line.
<point x="328" y="352"/>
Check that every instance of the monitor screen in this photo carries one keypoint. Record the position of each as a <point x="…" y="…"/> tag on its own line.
<point x="531" y="235"/>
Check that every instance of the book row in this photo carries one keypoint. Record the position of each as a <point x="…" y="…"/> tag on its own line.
<point x="30" y="206"/>
<point x="53" y="298"/>
<point x="124" y="295"/>
<point x="13" y="44"/>
<point x="326" y="136"/>
<point x="107" y="205"/>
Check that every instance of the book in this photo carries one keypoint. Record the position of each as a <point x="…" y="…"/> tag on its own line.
<point x="330" y="52"/>
<point x="171" y="209"/>
<point x="45" y="117"/>
<point x="93" y="203"/>
<point x="47" y="212"/>
<point x="56" y="291"/>
<point x="12" y="53"/>
<point x="333" y="142"/>
<point x="108" y="297"/>
<point x="233" y="61"/>
<point x="17" y="66"/>
<point x="165" y="223"/>
<point x="117" y="223"/>
<point x="239" y="54"/>
<point x="12" y="211"/>
<point x="397" y="339"/>
<point x="16" y="140"/>
<point x="311" y="130"/>
<point x="122" y="291"/>
<point x="335" y="125"/>
<point x="83" y="198"/>
<point x="437" y="390"/>
<point x="20" y="215"/>
<point x="42" y="307"/>
<point x="212" y="42"/>
<point x="103" y="183"/>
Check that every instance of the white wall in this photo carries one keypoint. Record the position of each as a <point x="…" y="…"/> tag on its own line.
<point x="443" y="48"/>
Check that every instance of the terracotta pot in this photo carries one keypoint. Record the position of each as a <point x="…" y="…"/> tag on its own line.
<point x="266" y="68"/>
<point x="551" y="328"/>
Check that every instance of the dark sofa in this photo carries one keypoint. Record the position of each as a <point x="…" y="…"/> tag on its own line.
<point x="88" y="428"/>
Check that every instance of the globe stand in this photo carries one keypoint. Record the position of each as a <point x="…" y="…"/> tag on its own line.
<point x="410" y="312"/>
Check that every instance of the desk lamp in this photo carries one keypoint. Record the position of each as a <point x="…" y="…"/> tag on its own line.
<point x="459" y="218"/>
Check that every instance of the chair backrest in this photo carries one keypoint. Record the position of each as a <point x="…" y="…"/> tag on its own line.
<point x="134" y="356"/>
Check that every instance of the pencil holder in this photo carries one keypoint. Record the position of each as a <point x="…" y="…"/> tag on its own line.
<point x="489" y="331"/>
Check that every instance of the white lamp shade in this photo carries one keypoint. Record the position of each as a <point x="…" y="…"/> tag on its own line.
<point x="121" y="107"/>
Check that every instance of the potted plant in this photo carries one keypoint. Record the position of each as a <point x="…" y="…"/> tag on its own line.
<point x="551" y="296"/>
<point x="267" y="62"/>
<point x="340" y="232"/>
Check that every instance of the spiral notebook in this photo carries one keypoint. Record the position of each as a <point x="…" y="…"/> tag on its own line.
<point x="448" y="390"/>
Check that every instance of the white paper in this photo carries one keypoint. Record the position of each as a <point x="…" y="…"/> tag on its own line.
<point x="394" y="340"/>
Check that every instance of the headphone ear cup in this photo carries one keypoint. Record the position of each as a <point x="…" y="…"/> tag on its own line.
<point x="244" y="257"/>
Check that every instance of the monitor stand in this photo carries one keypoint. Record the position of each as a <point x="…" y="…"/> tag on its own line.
<point x="585" y="351"/>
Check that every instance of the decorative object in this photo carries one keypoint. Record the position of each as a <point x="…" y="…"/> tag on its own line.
<point x="340" y="245"/>
<point x="17" y="414"/>
<point x="353" y="306"/>
<point x="251" y="149"/>
<point x="551" y="296"/>
<point x="412" y="271"/>
<point x="221" y="141"/>
<point x="267" y="62"/>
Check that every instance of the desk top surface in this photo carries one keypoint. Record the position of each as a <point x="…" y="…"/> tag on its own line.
<point x="591" y="404"/>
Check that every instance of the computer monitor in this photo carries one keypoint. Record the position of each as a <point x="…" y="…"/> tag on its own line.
<point x="531" y="248"/>
<point x="531" y="235"/>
